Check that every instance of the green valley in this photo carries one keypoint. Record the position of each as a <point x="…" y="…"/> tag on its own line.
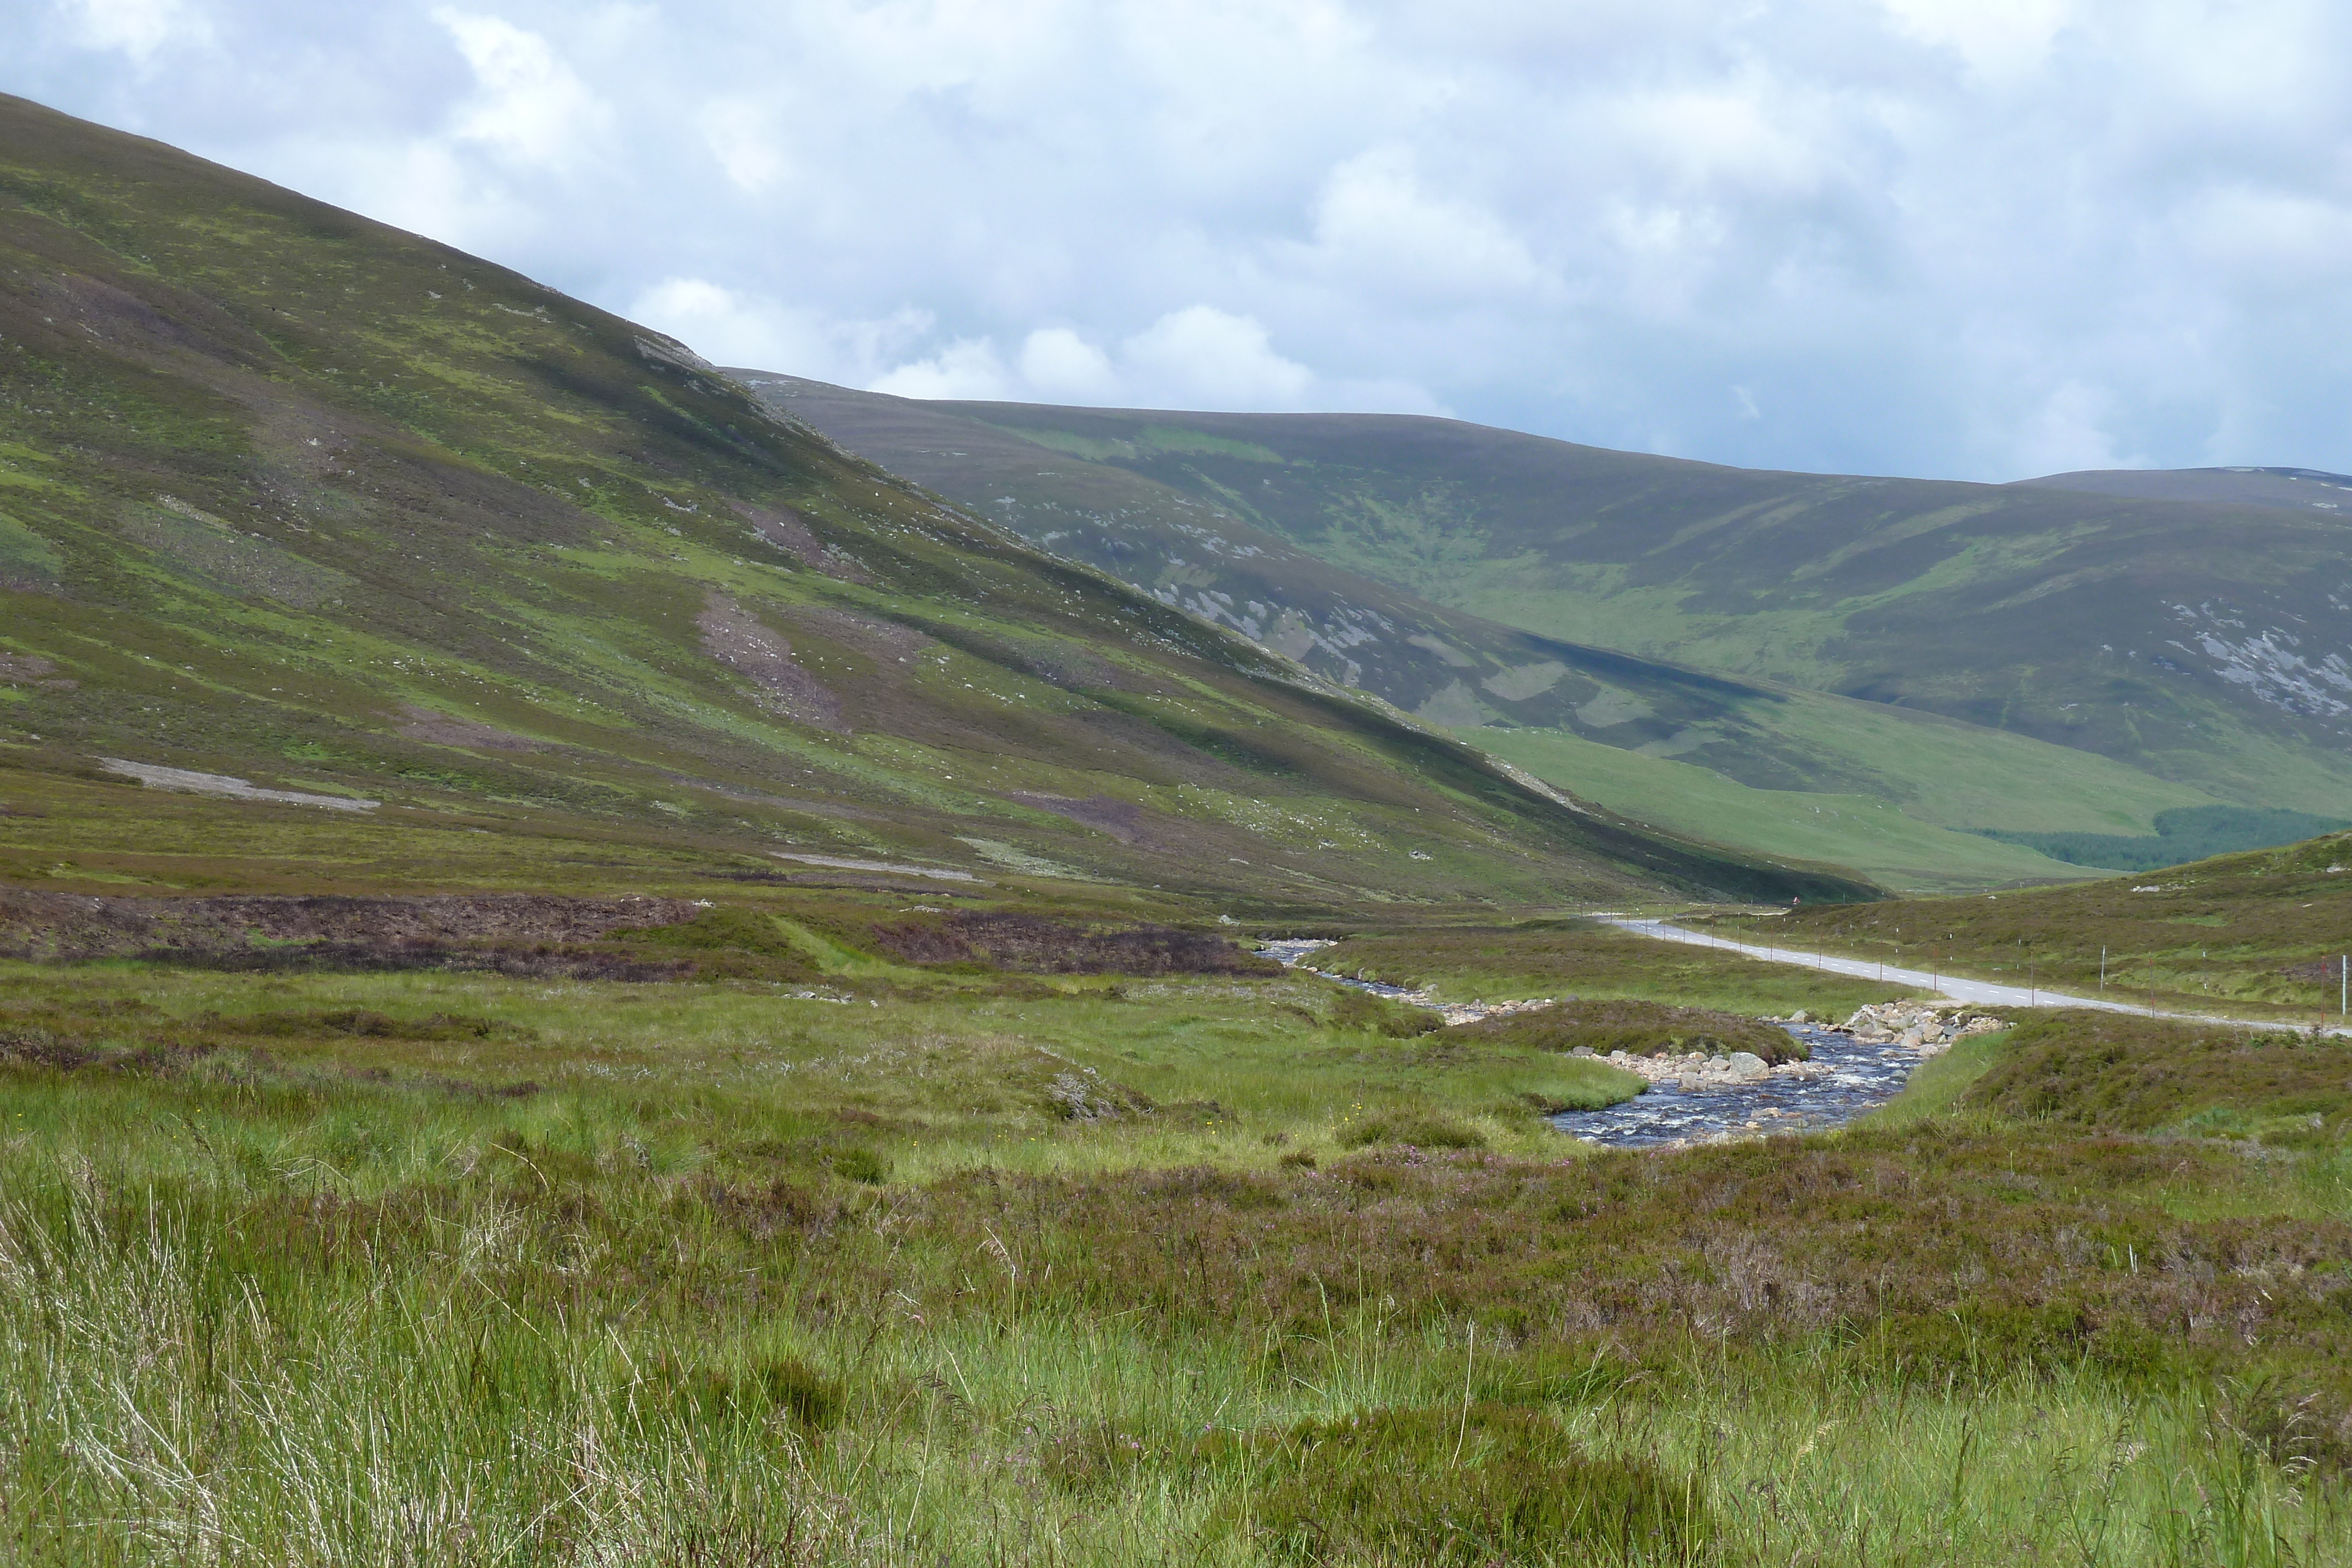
<point x="2087" y="656"/>
<point x="307" y="504"/>
<point x="595" y="973"/>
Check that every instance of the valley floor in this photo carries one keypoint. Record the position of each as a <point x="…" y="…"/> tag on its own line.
<point x="475" y="1268"/>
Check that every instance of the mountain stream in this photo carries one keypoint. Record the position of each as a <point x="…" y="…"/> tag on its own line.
<point x="1850" y="1076"/>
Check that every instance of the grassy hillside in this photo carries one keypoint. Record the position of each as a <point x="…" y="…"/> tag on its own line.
<point x="1186" y="537"/>
<point x="2254" y="935"/>
<point x="310" y="506"/>
<point x="2188" y="640"/>
<point x="2183" y="834"/>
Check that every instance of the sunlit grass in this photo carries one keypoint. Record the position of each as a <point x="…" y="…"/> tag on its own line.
<point x="686" y="1274"/>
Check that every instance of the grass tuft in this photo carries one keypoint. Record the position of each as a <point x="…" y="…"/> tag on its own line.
<point x="1467" y="1484"/>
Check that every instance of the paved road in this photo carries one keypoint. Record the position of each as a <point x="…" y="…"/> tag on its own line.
<point x="1983" y="993"/>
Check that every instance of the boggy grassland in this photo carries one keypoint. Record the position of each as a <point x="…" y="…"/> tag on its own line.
<point x="966" y="1266"/>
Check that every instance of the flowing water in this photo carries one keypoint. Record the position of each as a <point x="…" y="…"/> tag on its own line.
<point x="1857" y="1076"/>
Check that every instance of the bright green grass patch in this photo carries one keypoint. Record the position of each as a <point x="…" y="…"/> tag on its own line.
<point x="1938" y="1085"/>
<point x="1069" y="1078"/>
<point x="1880" y="840"/>
<point x="23" y="550"/>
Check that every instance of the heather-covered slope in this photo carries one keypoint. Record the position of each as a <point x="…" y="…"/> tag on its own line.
<point x="2305" y="491"/>
<point x="2201" y="643"/>
<point x="1892" y="791"/>
<point x="293" y="498"/>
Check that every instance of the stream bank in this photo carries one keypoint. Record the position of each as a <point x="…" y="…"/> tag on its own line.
<point x="1848" y="1071"/>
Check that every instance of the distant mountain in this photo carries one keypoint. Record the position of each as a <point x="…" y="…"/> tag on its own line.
<point x="2205" y="644"/>
<point x="1194" y="553"/>
<point x="305" y="511"/>
<point x="1199" y="512"/>
<point x="2296" y="489"/>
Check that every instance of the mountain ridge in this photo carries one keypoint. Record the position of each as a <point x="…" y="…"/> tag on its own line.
<point x="1177" y="504"/>
<point x="297" y="499"/>
<point x="1651" y="556"/>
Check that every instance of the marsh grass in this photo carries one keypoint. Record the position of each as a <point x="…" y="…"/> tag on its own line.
<point x="746" y="1278"/>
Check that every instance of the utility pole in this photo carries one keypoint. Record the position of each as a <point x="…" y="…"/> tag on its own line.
<point x="2343" y="987"/>
<point x="2103" y="971"/>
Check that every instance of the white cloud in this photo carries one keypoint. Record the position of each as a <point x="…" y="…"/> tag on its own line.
<point x="1375" y="220"/>
<point x="2069" y="430"/>
<point x="1996" y="38"/>
<point x="1968" y="237"/>
<point x="743" y="136"/>
<point x="966" y="368"/>
<point x="1215" y="359"/>
<point x="1056" y="363"/>
<point x="531" y="109"/>
<point x="749" y="331"/>
<point x="137" y="28"/>
<point x="1196" y="358"/>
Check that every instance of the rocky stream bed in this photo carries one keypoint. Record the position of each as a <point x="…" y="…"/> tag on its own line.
<point x="1849" y="1069"/>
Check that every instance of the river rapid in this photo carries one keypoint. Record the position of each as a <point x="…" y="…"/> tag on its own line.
<point x="1855" y="1076"/>
<point x="1851" y="1077"/>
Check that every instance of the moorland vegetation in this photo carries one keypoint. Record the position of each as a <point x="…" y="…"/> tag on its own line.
<point x="2259" y="934"/>
<point x="722" y="1040"/>
<point x="1860" y="669"/>
<point x="293" y="500"/>
<point x="949" y="1262"/>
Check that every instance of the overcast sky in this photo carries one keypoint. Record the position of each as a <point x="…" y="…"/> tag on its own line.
<point x="1968" y="238"/>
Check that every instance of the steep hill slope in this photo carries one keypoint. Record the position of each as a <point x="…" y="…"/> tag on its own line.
<point x="304" y="504"/>
<point x="2201" y="642"/>
<point x="1772" y="768"/>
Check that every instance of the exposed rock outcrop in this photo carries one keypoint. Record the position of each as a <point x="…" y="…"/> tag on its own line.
<point x="1922" y="1026"/>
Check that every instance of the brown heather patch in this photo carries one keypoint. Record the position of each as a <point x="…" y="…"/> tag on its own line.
<point x="1938" y="1253"/>
<point x="544" y="962"/>
<point x="1028" y="942"/>
<point x="446" y="729"/>
<point x="735" y="637"/>
<point x="788" y="529"/>
<point x="35" y="924"/>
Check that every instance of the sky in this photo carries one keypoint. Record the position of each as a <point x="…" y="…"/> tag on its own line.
<point x="1978" y="239"/>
